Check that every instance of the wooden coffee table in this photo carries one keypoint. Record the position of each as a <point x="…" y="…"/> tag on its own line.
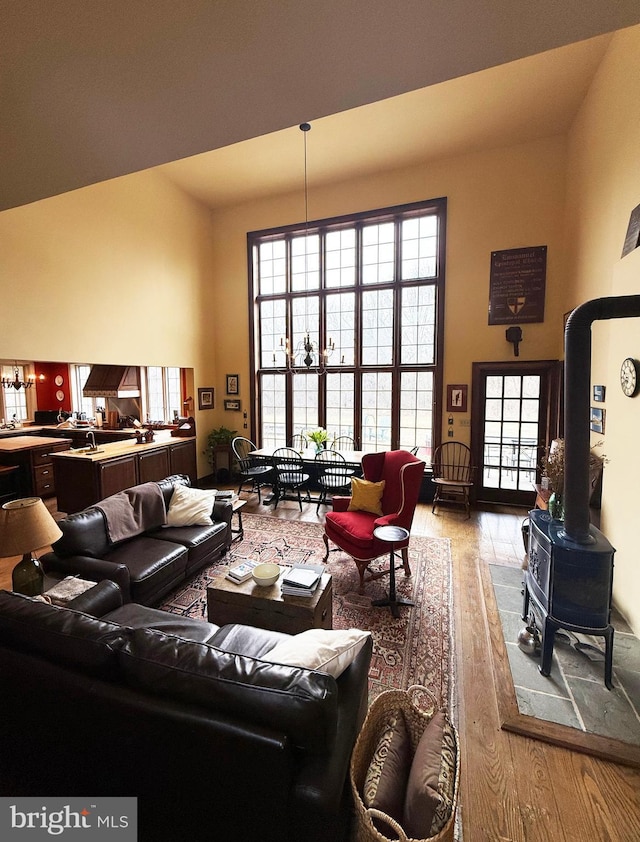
<point x="266" y="608"/>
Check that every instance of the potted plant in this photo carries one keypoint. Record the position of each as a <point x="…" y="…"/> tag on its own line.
<point x="219" y="441"/>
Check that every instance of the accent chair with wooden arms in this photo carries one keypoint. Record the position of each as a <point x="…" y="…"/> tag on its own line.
<point x="352" y="531"/>
<point x="452" y="475"/>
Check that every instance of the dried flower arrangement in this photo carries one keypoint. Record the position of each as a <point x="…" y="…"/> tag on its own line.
<point x="553" y="464"/>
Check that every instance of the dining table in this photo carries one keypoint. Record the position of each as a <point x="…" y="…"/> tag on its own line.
<point x="352" y="458"/>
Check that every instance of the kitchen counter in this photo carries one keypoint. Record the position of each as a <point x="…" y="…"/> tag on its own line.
<point x="11" y="445"/>
<point x="120" y="448"/>
<point x="33" y="457"/>
<point x="83" y="477"/>
<point x="58" y="430"/>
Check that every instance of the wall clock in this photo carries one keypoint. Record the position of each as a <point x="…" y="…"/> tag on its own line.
<point x="629" y="379"/>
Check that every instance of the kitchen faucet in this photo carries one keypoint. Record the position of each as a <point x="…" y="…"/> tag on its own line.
<point x="91" y="436"/>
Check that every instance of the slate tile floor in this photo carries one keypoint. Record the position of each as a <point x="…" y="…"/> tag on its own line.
<point x="574" y="694"/>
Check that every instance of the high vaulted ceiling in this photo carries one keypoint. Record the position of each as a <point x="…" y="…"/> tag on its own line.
<point x="91" y="91"/>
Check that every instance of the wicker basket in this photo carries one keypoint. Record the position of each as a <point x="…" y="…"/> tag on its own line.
<point x="417" y="718"/>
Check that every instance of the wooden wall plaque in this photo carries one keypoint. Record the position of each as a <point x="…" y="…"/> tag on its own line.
<point x="517" y="285"/>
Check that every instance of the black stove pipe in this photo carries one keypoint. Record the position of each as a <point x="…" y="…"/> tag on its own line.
<point x="577" y="401"/>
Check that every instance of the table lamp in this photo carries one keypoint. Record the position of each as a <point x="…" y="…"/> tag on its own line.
<point x="26" y="525"/>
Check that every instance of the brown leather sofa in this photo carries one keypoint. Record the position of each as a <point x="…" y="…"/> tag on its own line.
<point x="214" y="741"/>
<point x="147" y="566"/>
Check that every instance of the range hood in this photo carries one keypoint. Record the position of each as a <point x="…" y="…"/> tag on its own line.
<point x="112" y="381"/>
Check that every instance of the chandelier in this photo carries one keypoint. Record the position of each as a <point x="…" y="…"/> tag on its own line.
<point x="307" y="353"/>
<point x="17" y="383"/>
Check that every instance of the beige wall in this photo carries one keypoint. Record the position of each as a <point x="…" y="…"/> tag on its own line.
<point x="131" y="271"/>
<point x="603" y="186"/>
<point x="118" y="272"/>
<point x="497" y="199"/>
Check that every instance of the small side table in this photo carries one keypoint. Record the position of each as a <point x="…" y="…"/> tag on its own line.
<point x="392" y="535"/>
<point x="238" y="505"/>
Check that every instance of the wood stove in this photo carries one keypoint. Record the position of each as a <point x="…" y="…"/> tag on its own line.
<point x="569" y="585"/>
<point x="569" y="578"/>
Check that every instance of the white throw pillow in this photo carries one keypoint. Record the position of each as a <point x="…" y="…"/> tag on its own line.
<point x="320" y="649"/>
<point x="190" y="506"/>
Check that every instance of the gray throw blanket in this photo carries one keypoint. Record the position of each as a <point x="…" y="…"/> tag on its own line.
<point x="133" y="511"/>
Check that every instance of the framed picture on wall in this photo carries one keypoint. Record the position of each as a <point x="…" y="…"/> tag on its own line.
<point x="233" y="405"/>
<point x="598" y="393"/>
<point x="233" y="384"/>
<point x="457" y="397"/>
<point x="597" y="420"/>
<point x="205" y="398"/>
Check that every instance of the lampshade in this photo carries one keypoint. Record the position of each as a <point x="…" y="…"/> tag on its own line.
<point x="26" y="525"/>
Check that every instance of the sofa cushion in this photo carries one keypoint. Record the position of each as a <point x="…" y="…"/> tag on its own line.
<point x="247" y="640"/>
<point x="60" y="635"/>
<point x="354" y="527"/>
<point x="83" y="533"/>
<point x="294" y="701"/>
<point x="204" y="543"/>
<point x="167" y="485"/>
<point x="326" y="650"/>
<point x="136" y="616"/>
<point x="154" y="566"/>
<point x="191" y="506"/>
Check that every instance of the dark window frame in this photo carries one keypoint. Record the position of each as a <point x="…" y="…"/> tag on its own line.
<point x="358" y="220"/>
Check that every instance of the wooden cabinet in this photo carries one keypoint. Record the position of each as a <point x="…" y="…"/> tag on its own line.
<point x="116" y="474"/>
<point x="153" y="465"/>
<point x="182" y="460"/>
<point x="32" y="456"/>
<point x="82" y="481"/>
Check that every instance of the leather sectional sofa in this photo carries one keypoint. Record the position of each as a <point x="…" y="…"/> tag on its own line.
<point x="146" y="566"/>
<point x="105" y="698"/>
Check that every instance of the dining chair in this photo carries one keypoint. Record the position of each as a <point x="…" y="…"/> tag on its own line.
<point x="343" y="443"/>
<point x="452" y="475"/>
<point x="346" y="444"/>
<point x="332" y="475"/>
<point x="299" y="442"/>
<point x="352" y="531"/>
<point x="252" y="470"/>
<point x="289" y="474"/>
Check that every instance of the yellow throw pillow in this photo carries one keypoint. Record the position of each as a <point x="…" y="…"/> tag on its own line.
<point x="366" y="496"/>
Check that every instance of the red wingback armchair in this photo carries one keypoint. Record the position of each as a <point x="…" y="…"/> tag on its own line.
<point x="352" y="532"/>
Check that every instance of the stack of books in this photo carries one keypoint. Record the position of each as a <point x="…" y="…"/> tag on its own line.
<point x="241" y="572"/>
<point x="226" y="496"/>
<point x="302" y="579"/>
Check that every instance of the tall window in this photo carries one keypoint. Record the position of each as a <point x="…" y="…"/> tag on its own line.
<point x="161" y="400"/>
<point x="14" y="403"/>
<point x="347" y="327"/>
<point x="79" y="375"/>
<point x="163" y="393"/>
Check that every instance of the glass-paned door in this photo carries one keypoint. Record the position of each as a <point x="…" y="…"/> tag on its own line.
<point x="513" y="406"/>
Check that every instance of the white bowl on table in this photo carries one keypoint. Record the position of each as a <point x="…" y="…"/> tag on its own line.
<point x="266" y="574"/>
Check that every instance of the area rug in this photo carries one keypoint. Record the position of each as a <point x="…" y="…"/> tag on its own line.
<point x="571" y="707"/>
<point x="414" y="649"/>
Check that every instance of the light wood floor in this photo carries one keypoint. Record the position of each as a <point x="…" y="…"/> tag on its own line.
<point x="514" y="789"/>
